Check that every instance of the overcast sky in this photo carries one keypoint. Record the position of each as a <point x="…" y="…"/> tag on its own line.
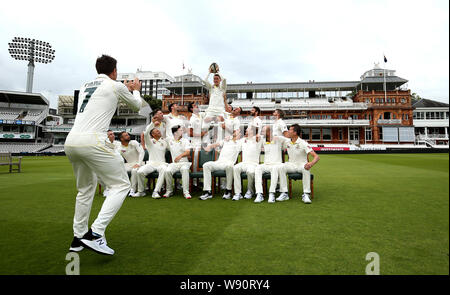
<point x="259" y="41"/>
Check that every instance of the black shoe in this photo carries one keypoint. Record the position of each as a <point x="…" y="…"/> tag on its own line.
<point x="76" y="245"/>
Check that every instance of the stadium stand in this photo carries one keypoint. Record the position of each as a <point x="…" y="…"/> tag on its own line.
<point x="23" y="147"/>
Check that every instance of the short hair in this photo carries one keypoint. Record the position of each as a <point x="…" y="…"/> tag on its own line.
<point x="280" y="113"/>
<point x="171" y="106"/>
<point x="238" y="108"/>
<point x="258" y="110"/>
<point x="155" y="111"/>
<point x="297" y="129"/>
<point x="218" y="76"/>
<point x="175" y="128"/>
<point x="121" y="134"/>
<point x="105" y="64"/>
<point x="190" y="107"/>
<point x="151" y="131"/>
<point x="109" y="130"/>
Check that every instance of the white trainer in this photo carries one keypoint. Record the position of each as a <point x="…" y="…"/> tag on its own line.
<point x="206" y="196"/>
<point x="259" y="198"/>
<point x="139" y="194"/>
<point x="283" y="197"/>
<point x="248" y="195"/>
<point x="237" y="197"/>
<point x="156" y="195"/>
<point x="131" y="193"/>
<point x="226" y="196"/>
<point x="168" y="194"/>
<point x="271" y="198"/>
<point x="187" y="196"/>
<point x="306" y="199"/>
<point x="98" y="245"/>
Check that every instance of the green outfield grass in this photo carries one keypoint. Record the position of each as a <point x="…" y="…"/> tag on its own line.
<point x="394" y="204"/>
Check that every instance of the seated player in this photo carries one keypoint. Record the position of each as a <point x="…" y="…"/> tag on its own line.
<point x="298" y="151"/>
<point x="156" y="147"/>
<point x="180" y="150"/>
<point x="133" y="153"/>
<point x="157" y="122"/>
<point x="227" y="159"/>
<point x="272" y="163"/>
<point x="251" y="150"/>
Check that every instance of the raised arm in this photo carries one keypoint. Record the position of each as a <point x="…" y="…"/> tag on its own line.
<point x="134" y="101"/>
<point x="206" y="81"/>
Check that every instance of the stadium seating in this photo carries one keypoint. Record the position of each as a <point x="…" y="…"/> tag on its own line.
<point x="22" y="147"/>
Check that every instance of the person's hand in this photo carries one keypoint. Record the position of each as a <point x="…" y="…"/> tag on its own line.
<point x="258" y="138"/>
<point x="308" y="166"/>
<point x="221" y="119"/>
<point x="136" y="84"/>
<point x="136" y="166"/>
<point x="177" y="159"/>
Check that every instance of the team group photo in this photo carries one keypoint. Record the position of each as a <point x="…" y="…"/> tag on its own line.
<point x="218" y="139"/>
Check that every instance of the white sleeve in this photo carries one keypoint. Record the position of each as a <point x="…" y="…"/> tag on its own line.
<point x="224" y="84"/>
<point x="206" y="81"/>
<point x="141" y="153"/>
<point x="134" y="101"/>
<point x="237" y="124"/>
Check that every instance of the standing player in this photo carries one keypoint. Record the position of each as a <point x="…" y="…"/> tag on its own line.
<point x="114" y="145"/>
<point x="256" y="121"/>
<point x="279" y="126"/>
<point x="133" y="153"/>
<point x="86" y="148"/>
<point x="298" y="151"/>
<point x="173" y="119"/>
<point x="230" y="124"/>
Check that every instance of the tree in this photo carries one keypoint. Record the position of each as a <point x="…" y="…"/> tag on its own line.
<point x="153" y="102"/>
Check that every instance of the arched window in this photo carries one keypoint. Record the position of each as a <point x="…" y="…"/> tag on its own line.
<point x="387" y="115"/>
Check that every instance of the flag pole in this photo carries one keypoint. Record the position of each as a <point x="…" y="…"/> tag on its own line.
<point x="182" y="86"/>
<point x="384" y="76"/>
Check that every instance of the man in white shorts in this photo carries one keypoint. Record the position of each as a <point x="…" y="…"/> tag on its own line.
<point x="251" y="150"/>
<point x="180" y="150"/>
<point x="156" y="147"/>
<point x="272" y="163"/>
<point x="298" y="151"/>
<point x="88" y="149"/>
<point x="133" y="153"/>
<point x="227" y="159"/>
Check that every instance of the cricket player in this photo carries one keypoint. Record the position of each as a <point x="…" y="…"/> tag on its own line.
<point x="251" y="147"/>
<point x="279" y="126"/>
<point x="231" y="122"/>
<point x="298" y="151"/>
<point x="173" y="119"/>
<point x="116" y="144"/>
<point x="90" y="153"/>
<point x="156" y="147"/>
<point x="133" y="153"/>
<point x="180" y="150"/>
<point x="227" y="159"/>
<point x="217" y="95"/>
<point x="157" y="122"/>
<point x="272" y="163"/>
<point x="256" y="121"/>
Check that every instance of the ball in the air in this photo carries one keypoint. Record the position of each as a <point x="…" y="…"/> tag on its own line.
<point x="214" y="68"/>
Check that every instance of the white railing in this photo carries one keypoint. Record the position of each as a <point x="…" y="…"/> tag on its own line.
<point x="389" y="121"/>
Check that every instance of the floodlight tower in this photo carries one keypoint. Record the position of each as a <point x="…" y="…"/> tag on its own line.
<point x="33" y="51"/>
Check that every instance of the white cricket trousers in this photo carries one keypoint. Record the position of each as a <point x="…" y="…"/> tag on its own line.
<point x="211" y="166"/>
<point x="249" y="169"/>
<point x="183" y="167"/>
<point x="275" y="170"/>
<point x="146" y="170"/>
<point x="134" y="176"/>
<point x="294" y="167"/>
<point x="89" y="160"/>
